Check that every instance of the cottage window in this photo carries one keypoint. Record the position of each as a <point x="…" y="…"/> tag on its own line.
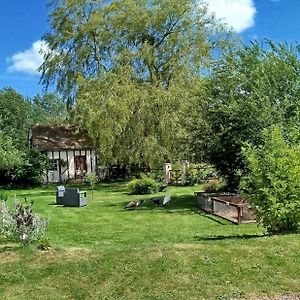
<point x="53" y="166"/>
<point x="80" y="166"/>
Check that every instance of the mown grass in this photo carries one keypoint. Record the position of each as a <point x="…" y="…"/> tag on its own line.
<point x="105" y="252"/>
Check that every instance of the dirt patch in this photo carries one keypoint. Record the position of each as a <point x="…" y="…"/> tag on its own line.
<point x="186" y="246"/>
<point x="8" y="253"/>
<point x="58" y="254"/>
<point x="8" y="257"/>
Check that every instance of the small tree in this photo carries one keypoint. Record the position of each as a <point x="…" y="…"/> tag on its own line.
<point x="91" y="178"/>
<point x="273" y="183"/>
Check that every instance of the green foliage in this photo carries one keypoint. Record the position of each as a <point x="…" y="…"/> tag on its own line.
<point x="214" y="185"/>
<point x="10" y="156"/>
<point x="157" y="174"/>
<point x="32" y="169"/>
<point x="18" y="164"/>
<point x="3" y="197"/>
<point x="17" y="114"/>
<point x="160" y="41"/>
<point x="197" y="173"/>
<point x="15" y="117"/>
<point x="20" y="224"/>
<point x="44" y="244"/>
<point x="48" y="108"/>
<point x="273" y="183"/>
<point x="92" y="179"/>
<point x="144" y="185"/>
<point x="133" y="123"/>
<point x="250" y="89"/>
<point x="133" y="67"/>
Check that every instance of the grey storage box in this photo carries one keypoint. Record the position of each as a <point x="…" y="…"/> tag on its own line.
<point x="60" y="191"/>
<point x="74" y="198"/>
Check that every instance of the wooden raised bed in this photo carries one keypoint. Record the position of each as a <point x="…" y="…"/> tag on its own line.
<point x="227" y="206"/>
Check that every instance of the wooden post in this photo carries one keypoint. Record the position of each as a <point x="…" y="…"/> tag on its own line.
<point x="239" y="215"/>
<point x="167" y="173"/>
<point x="184" y="167"/>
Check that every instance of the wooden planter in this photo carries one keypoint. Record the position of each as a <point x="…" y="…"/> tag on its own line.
<point x="204" y="202"/>
<point x="227" y="206"/>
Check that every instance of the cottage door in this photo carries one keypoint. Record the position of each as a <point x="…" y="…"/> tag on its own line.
<point x="80" y="166"/>
<point x="53" y="172"/>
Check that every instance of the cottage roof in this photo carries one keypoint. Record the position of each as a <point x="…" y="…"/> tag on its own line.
<point x="59" y="137"/>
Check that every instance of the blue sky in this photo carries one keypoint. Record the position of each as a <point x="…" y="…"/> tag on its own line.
<point x="23" y="24"/>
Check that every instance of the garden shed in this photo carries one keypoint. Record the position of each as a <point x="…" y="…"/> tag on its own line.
<point x="69" y="148"/>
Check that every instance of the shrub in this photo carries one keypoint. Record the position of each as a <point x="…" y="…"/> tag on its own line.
<point x="31" y="171"/>
<point x="213" y="186"/>
<point x="145" y="185"/>
<point x="7" y="224"/>
<point x="273" y="183"/>
<point x="21" y="224"/>
<point x="198" y="173"/>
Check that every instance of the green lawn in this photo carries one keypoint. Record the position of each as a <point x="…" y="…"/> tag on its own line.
<point x="105" y="252"/>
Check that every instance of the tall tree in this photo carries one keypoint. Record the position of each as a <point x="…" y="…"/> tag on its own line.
<point x="15" y="116"/>
<point x="159" y="40"/>
<point x="132" y="122"/>
<point x="249" y="90"/>
<point x="17" y="113"/>
<point x="10" y="156"/>
<point x="133" y="66"/>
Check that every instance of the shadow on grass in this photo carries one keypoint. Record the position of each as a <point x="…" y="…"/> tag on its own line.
<point x="56" y="205"/>
<point x="37" y="194"/>
<point x="230" y="237"/>
<point x="214" y="218"/>
<point x="112" y="187"/>
<point x="183" y="204"/>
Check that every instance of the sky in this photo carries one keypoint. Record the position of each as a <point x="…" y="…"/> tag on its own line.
<point x="23" y="24"/>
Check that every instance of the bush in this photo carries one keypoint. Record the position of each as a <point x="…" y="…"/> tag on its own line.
<point x="145" y="185"/>
<point x="30" y="172"/>
<point x="197" y="173"/>
<point x="273" y="183"/>
<point x="20" y="224"/>
<point x="214" y="186"/>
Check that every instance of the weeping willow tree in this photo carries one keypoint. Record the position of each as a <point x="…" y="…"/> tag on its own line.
<point x="133" y="122"/>
<point x="133" y="67"/>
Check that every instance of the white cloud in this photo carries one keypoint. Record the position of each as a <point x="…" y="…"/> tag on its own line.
<point x="29" y="60"/>
<point x="238" y="14"/>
